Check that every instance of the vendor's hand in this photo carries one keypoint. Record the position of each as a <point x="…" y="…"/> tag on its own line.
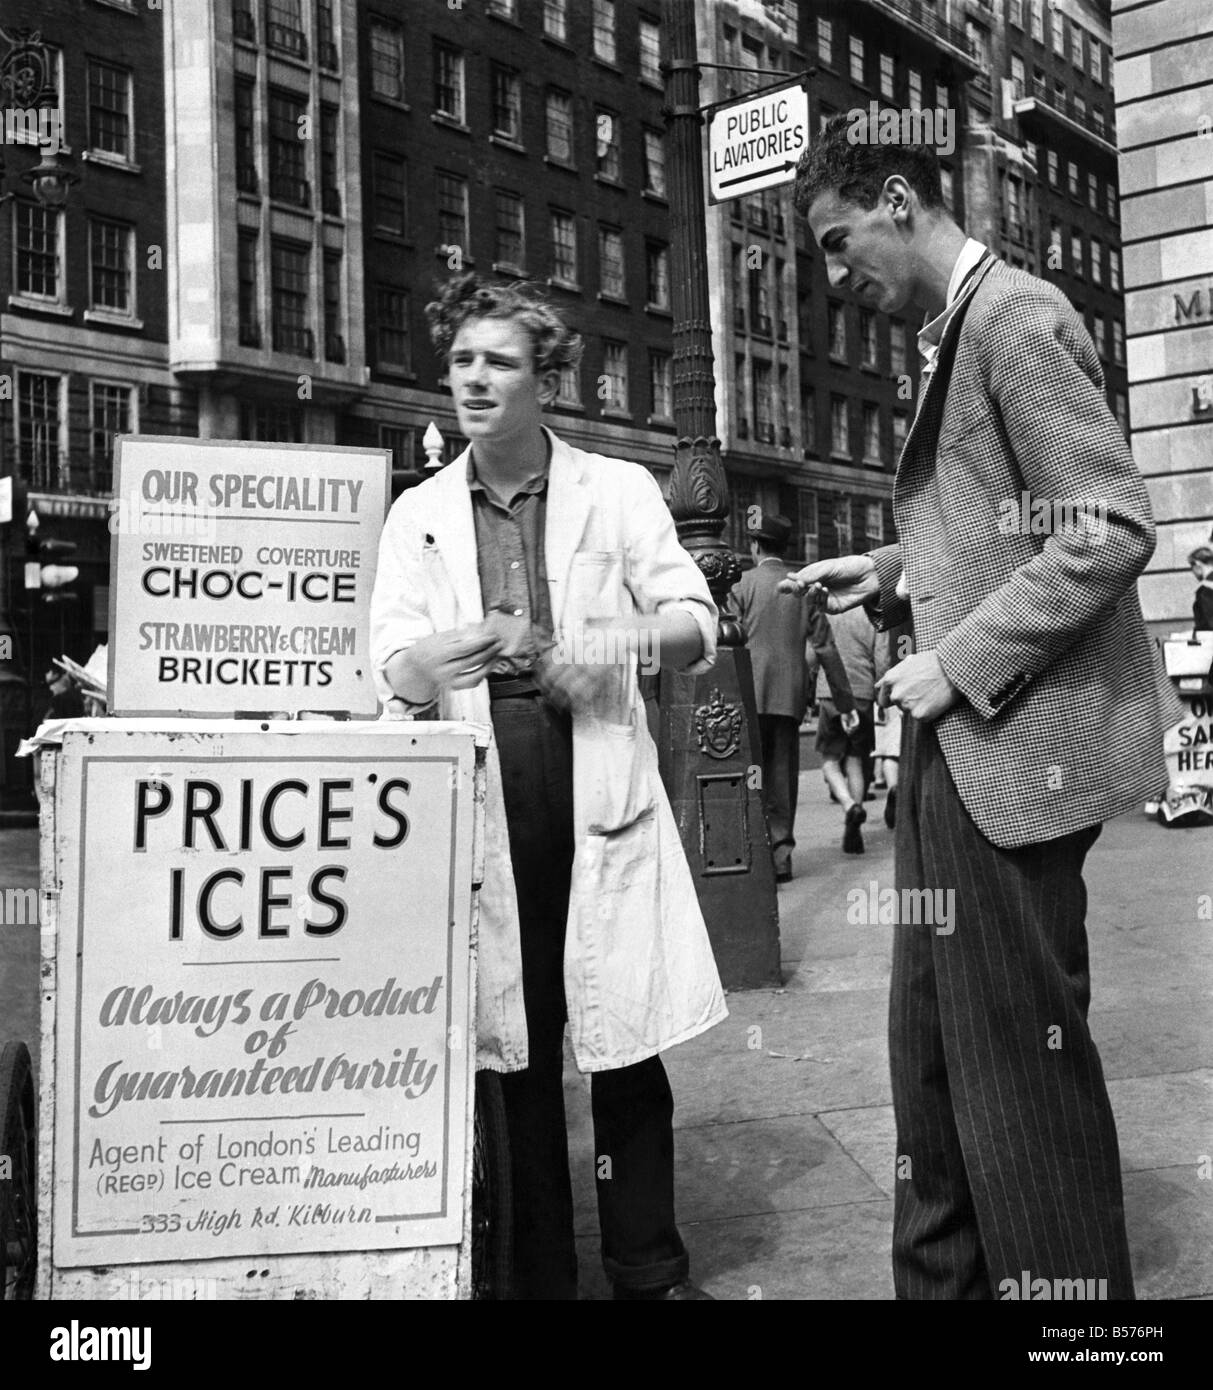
<point x="919" y="686"/>
<point x="456" y="659"/>
<point x="848" y="581"/>
<point x="850" y="721"/>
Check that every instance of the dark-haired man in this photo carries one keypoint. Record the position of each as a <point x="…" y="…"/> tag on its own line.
<point x="1036" y="708"/>
<point x="587" y="911"/>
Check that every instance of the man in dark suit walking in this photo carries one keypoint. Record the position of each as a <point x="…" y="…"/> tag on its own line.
<point x="777" y="633"/>
<point x="1036" y="709"/>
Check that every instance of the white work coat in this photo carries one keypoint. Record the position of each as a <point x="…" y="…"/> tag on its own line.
<point x="638" y="967"/>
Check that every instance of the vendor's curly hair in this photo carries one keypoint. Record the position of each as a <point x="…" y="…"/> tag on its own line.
<point x="466" y="297"/>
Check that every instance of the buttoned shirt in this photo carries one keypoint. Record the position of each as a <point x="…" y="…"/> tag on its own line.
<point x="961" y="282"/>
<point x="510" y="558"/>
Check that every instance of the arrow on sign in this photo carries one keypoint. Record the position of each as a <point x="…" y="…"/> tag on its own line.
<point x="759" y="173"/>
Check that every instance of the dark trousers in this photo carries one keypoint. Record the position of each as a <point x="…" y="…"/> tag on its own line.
<point x="780" y="735"/>
<point x="632" y="1107"/>
<point x="1006" y="1145"/>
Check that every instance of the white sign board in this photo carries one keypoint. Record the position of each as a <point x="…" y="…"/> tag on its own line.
<point x="241" y="576"/>
<point x="1189" y="746"/>
<point x="263" y="1037"/>
<point x="756" y="142"/>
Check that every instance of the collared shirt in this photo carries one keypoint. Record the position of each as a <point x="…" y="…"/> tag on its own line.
<point x="931" y="334"/>
<point x="510" y="558"/>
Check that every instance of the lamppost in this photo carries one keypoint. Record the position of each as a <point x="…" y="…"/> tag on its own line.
<point x="709" y="743"/>
<point x="24" y="79"/>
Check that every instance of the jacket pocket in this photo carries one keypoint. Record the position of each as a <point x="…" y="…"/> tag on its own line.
<point x="611" y="776"/>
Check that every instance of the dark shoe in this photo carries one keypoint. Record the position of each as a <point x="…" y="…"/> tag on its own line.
<point x="890" y="809"/>
<point x="783" y="870"/>
<point x="852" y="840"/>
<point x="682" y="1292"/>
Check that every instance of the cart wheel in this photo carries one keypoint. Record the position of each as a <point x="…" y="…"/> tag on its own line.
<point x="18" y="1202"/>
<point x="492" y="1194"/>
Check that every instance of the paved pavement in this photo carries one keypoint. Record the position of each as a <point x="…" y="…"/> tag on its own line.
<point x="784" y="1130"/>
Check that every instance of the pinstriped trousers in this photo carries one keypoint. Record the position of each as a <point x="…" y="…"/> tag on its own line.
<point x="999" y="1096"/>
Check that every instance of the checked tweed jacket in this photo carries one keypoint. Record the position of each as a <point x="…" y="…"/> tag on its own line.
<point x="1065" y="701"/>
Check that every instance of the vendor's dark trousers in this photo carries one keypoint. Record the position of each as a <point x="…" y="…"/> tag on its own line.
<point x="780" y="736"/>
<point x="632" y="1107"/>
<point x="1006" y="1146"/>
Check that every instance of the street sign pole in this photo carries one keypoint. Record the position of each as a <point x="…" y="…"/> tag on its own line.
<point x="709" y="741"/>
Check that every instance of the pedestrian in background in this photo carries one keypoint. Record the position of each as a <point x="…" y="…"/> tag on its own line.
<point x="1200" y="561"/>
<point x="778" y="633"/>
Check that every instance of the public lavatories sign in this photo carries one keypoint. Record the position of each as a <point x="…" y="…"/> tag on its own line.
<point x="262" y="1025"/>
<point x="241" y="576"/>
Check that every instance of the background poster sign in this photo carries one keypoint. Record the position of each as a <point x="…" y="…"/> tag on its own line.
<point x="263" y="1007"/>
<point x="241" y="576"/>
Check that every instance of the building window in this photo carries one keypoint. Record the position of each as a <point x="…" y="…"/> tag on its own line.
<point x="326" y="36"/>
<point x="1038" y="21"/>
<point x="867" y="337"/>
<point x="947" y="187"/>
<point x="564" y="248"/>
<point x="840" y="427"/>
<point x="558" y="115"/>
<point x="886" y="75"/>
<point x="610" y="262"/>
<point x="334" y="319"/>
<point x="658" y="276"/>
<point x="289" y="295"/>
<point x="871" y="433"/>
<point x="764" y="417"/>
<point x="507" y="9"/>
<point x="1015" y="13"/>
<point x="388" y="207"/>
<point x="452" y="210"/>
<point x="873" y="516"/>
<point x="760" y="303"/>
<point x="509" y="241"/>
<point x="387" y="60"/>
<point x="856" y="50"/>
<point x="284" y="27"/>
<point x="1072" y="178"/>
<point x="1055" y="251"/>
<point x="1058" y="25"/>
<point x="843" y="535"/>
<point x="751" y="61"/>
<point x="1099" y="333"/>
<point x="804" y="320"/>
<point x="449" y="90"/>
<point x="661" y="379"/>
<point x="604" y="30"/>
<point x="836" y="318"/>
<point x="248" y="291"/>
<point x="288" y="162"/>
<point x="914" y="88"/>
<point x="1018" y="77"/>
<point x="654" y="162"/>
<point x="271" y="424"/>
<point x="41" y="458"/>
<point x="39" y="242"/>
<point x="403" y="445"/>
<point x="741" y="402"/>
<point x="901" y="427"/>
<point x="808" y="418"/>
<point x="556" y="19"/>
<point x="1053" y="168"/>
<point x="1121" y="406"/>
<point x="1118" y="342"/>
<point x="650" y="50"/>
<point x="615" y="369"/>
<point x="1094" y="58"/>
<point x="943" y="97"/>
<point x="608" y="146"/>
<point x="111" y="262"/>
<point x="1110" y="196"/>
<point x="330" y="176"/>
<point x="1114" y="268"/>
<point x="109" y="110"/>
<point x="246" y="138"/>
<point x="1096" y="261"/>
<point x="825" y="41"/>
<point x="109" y="414"/>
<point x="897" y="347"/>
<point x="243" y="24"/>
<point x="1076" y="253"/>
<point x="978" y="37"/>
<point x="507" y="104"/>
<point x="392" y="321"/>
<point x="569" y="390"/>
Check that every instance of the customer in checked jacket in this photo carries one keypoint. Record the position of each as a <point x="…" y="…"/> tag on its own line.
<point x="1036" y="709"/>
<point x="588" y="910"/>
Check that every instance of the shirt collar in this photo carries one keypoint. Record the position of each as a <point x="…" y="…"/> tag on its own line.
<point x="535" y="484"/>
<point x="930" y="335"/>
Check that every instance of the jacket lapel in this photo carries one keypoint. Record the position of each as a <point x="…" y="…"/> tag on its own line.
<point x="454" y="534"/>
<point x="937" y="386"/>
<point x="568" y="510"/>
